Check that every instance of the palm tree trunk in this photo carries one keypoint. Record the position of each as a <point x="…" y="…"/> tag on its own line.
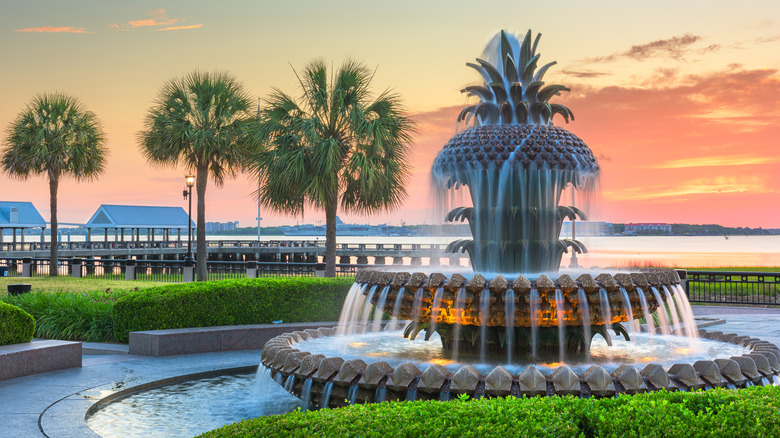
<point x="54" y="180"/>
<point x="201" y="257"/>
<point x="330" y="235"/>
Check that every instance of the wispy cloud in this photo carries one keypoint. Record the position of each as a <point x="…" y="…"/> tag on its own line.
<point x="54" y="29"/>
<point x="709" y="186"/>
<point x="725" y="160"/>
<point x="675" y="47"/>
<point x="158" y="18"/>
<point x="192" y="26"/>
<point x="585" y="74"/>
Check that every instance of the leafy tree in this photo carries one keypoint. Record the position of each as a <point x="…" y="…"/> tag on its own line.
<point x="336" y="145"/>
<point x="56" y="136"/>
<point x="200" y="120"/>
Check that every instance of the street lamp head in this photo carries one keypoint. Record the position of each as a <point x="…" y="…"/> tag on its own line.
<point x="190" y="180"/>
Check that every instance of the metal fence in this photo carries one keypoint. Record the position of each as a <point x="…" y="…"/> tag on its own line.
<point x="10" y="268"/>
<point x="159" y="270"/>
<point x="165" y="270"/>
<point x="723" y="287"/>
<point x="733" y="287"/>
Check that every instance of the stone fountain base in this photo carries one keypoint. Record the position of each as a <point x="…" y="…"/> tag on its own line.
<point x="474" y="314"/>
<point x="334" y="382"/>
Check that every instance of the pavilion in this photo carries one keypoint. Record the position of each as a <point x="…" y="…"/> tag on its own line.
<point x="20" y="216"/>
<point x="134" y="218"/>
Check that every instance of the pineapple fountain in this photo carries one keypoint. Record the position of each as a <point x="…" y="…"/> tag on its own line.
<point x="515" y="165"/>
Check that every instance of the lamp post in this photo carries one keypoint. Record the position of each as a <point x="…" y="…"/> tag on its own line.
<point x="188" y="195"/>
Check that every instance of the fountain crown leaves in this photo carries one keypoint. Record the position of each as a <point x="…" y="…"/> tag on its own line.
<point x="513" y="90"/>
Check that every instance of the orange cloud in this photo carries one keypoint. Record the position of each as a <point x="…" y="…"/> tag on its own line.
<point x="726" y="160"/>
<point x="158" y="18"/>
<point x="192" y="26"/>
<point x="152" y="22"/>
<point x="53" y="29"/>
<point x="684" y="189"/>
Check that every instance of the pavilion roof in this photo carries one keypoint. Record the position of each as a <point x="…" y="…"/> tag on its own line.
<point x="20" y="215"/>
<point x="139" y="216"/>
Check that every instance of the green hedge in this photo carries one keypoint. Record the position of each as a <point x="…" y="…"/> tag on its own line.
<point x="230" y="302"/>
<point x="70" y="315"/>
<point x="752" y="412"/>
<point x="16" y="325"/>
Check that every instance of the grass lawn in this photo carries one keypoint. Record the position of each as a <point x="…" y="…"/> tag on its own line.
<point x="70" y="284"/>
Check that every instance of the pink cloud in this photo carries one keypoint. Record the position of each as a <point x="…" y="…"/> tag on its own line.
<point x="54" y="29"/>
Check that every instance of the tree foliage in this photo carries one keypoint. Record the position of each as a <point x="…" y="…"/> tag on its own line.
<point x="55" y="136"/>
<point x="335" y="146"/>
<point x="200" y="121"/>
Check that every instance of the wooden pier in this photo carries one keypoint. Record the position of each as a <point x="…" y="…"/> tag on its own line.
<point x="239" y="250"/>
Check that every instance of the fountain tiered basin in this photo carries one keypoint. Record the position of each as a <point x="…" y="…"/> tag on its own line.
<point x="525" y="314"/>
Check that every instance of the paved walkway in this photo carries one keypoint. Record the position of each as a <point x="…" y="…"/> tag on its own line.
<point x="54" y="404"/>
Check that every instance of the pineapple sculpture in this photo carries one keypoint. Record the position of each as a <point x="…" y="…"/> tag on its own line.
<point x="515" y="164"/>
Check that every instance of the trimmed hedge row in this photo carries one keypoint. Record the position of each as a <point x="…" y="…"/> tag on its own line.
<point x="16" y="325"/>
<point x="752" y="412"/>
<point x="70" y="315"/>
<point x="230" y="302"/>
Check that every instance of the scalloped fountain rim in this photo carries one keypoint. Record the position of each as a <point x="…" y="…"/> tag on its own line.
<point x="354" y="381"/>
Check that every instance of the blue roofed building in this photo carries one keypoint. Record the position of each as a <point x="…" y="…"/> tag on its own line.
<point x="133" y="218"/>
<point x="19" y="216"/>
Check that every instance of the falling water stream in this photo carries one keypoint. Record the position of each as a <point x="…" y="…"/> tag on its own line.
<point x="560" y="317"/>
<point x="582" y="299"/>
<point x="435" y="311"/>
<point x="484" y="318"/>
<point x="534" y="309"/>
<point x="509" y="316"/>
<point x="661" y="312"/>
<point x="460" y="308"/>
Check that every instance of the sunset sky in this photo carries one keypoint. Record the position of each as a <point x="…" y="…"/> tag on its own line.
<point x="680" y="101"/>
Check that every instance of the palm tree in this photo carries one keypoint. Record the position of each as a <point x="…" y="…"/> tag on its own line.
<point x="335" y="146"/>
<point x="199" y="120"/>
<point x="56" y="136"/>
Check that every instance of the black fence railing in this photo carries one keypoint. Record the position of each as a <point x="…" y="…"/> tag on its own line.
<point x="733" y="287"/>
<point x="164" y="270"/>
<point x="159" y="270"/>
<point x="42" y="268"/>
<point x="724" y="287"/>
<point x="10" y="268"/>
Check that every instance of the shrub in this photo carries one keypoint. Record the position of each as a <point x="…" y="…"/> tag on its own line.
<point x="70" y="316"/>
<point x="230" y="302"/>
<point x="16" y="325"/>
<point x="751" y="412"/>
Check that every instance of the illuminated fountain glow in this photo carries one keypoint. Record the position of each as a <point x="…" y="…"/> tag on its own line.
<point x="497" y="332"/>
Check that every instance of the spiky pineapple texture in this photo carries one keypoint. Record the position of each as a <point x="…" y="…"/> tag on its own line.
<point x="513" y="92"/>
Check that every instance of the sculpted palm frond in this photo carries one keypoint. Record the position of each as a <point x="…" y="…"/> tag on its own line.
<point x="201" y="121"/>
<point x="335" y="146"/>
<point x="56" y="136"/>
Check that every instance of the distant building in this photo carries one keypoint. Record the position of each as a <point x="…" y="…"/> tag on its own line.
<point x="134" y="218"/>
<point x="19" y="216"/>
<point x="648" y="228"/>
<point x="212" y="227"/>
<point x="585" y="228"/>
